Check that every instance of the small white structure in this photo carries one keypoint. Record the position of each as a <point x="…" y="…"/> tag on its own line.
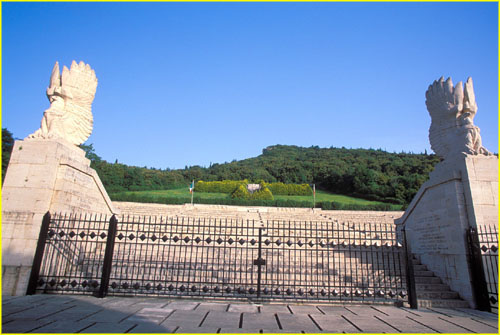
<point x="253" y="187"/>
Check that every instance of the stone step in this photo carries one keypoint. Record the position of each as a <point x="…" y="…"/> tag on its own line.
<point x="426" y="295"/>
<point x="426" y="273"/>
<point x="431" y="287"/>
<point x="445" y="303"/>
<point x="427" y="280"/>
<point x="419" y="267"/>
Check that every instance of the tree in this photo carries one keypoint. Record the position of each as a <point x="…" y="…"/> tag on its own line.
<point x="90" y="154"/>
<point x="7" y="145"/>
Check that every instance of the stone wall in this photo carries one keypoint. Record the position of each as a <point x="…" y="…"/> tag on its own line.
<point x="460" y="193"/>
<point x="43" y="175"/>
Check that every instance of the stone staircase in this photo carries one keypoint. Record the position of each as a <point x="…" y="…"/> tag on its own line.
<point x="432" y="292"/>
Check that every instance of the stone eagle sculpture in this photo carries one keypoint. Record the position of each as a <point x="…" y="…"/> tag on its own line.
<point x="452" y="110"/>
<point x="70" y="94"/>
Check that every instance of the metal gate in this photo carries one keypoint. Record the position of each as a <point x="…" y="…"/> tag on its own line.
<point x="483" y="249"/>
<point x="220" y="258"/>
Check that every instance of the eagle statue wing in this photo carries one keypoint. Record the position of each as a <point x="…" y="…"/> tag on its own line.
<point x="452" y="110"/>
<point x="69" y="116"/>
<point x="78" y="87"/>
<point x="444" y="103"/>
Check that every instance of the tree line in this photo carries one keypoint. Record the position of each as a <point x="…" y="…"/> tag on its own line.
<point x="365" y="173"/>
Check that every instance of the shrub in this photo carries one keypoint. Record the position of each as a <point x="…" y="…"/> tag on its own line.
<point x="225" y="186"/>
<point x="288" y="189"/>
<point x="262" y="194"/>
<point x="241" y="193"/>
<point x="229" y="186"/>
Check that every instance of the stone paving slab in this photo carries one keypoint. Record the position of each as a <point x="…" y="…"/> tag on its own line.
<point x="440" y="325"/>
<point x="13" y="310"/>
<point x="369" y="324"/>
<point x="151" y="328"/>
<point x="65" y="327"/>
<point x="184" y="318"/>
<point x="72" y="314"/>
<point x="190" y="330"/>
<point x="391" y="311"/>
<point x="334" y="323"/>
<point x="155" y="311"/>
<point x="151" y="304"/>
<point x="183" y="305"/>
<point x="212" y="306"/>
<point x="304" y="309"/>
<point x="22" y="326"/>
<point x="222" y="320"/>
<point x="109" y="316"/>
<point x="257" y="321"/>
<point x="480" y="314"/>
<point x="243" y="308"/>
<point x="470" y="324"/>
<point x="267" y="331"/>
<point x="238" y="330"/>
<point x="85" y="299"/>
<point x="404" y="324"/>
<point x="7" y="298"/>
<point x="109" y="327"/>
<point x="297" y="322"/>
<point x="37" y="312"/>
<point x="283" y="309"/>
<point x="363" y="310"/>
<point x="155" y="319"/>
<point x="335" y="310"/>
<point x="459" y="319"/>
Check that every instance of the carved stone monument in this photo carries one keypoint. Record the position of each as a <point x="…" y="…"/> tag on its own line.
<point x="461" y="192"/>
<point x="49" y="172"/>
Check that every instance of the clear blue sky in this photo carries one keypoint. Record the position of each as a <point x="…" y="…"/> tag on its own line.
<point x="193" y="83"/>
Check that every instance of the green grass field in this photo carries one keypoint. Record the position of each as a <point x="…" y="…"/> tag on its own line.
<point x="183" y="193"/>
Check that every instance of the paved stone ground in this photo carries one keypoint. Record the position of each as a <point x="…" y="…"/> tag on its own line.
<point x="84" y="314"/>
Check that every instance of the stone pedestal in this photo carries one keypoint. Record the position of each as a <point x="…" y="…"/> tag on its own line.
<point x="460" y="193"/>
<point x="43" y="175"/>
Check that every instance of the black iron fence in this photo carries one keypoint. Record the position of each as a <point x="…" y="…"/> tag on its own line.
<point x="483" y="244"/>
<point x="225" y="258"/>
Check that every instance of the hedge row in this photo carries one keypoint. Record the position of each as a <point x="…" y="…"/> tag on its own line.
<point x="242" y="193"/>
<point x="327" y="205"/>
<point x="225" y="186"/>
<point x="288" y="189"/>
<point x="229" y="186"/>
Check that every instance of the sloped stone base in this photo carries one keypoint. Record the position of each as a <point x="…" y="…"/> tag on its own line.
<point x="43" y="175"/>
<point x="459" y="194"/>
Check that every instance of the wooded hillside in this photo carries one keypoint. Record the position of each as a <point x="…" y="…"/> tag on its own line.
<point x="365" y="173"/>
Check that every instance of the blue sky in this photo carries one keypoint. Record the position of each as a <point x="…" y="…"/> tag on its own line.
<point x="194" y="83"/>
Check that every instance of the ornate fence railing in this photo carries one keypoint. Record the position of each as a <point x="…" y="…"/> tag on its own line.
<point x="221" y="258"/>
<point x="483" y="246"/>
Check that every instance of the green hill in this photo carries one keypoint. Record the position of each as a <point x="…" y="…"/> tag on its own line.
<point x="363" y="173"/>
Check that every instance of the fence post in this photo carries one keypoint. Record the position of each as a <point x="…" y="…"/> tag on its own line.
<point x="108" y="257"/>
<point x="479" y="286"/>
<point x="259" y="262"/>
<point x="37" y="261"/>
<point x="410" y="275"/>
